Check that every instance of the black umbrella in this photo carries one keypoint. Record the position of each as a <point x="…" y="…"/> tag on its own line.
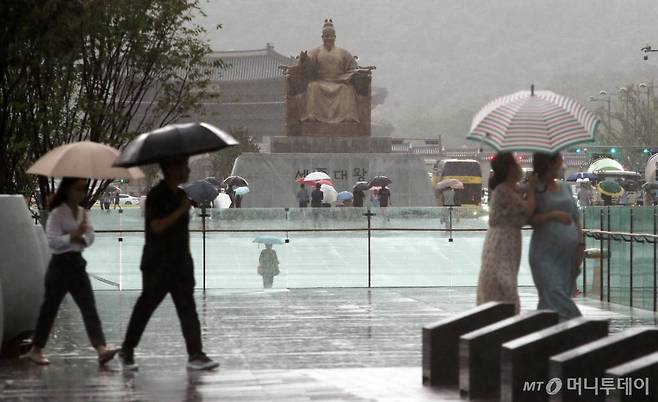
<point x="214" y="181"/>
<point x="201" y="191"/>
<point x="379" y="181"/>
<point x="172" y="141"/>
<point x="631" y="185"/>
<point x="236" y="181"/>
<point x="360" y="186"/>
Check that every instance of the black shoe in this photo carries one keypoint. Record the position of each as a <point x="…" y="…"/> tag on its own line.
<point x="107" y="356"/>
<point x="128" y="360"/>
<point x="201" y="362"/>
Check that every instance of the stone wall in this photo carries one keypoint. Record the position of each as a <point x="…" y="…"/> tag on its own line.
<point x="272" y="177"/>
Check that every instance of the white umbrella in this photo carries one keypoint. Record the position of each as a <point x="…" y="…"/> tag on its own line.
<point x="604" y="164"/>
<point x="222" y="201"/>
<point x="85" y="159"/>
<point x="317" y="176"/>
<point x="329" y="193"/>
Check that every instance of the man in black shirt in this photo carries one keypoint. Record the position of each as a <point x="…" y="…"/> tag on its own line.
<point x="317" y="196"/>
<point x="167" y="266"/>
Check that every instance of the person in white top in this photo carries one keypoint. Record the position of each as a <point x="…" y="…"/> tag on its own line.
<point x="69" y="232"/>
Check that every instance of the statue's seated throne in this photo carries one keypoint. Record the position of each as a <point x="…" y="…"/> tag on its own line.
<point x="296" y="83"/>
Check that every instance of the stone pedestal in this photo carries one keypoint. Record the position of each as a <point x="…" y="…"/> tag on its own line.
<point x="586" y="365"/>
<point x="525" y="360"/>
<point x="272" y="177"/>
<point x="330" y="144"/>
<point x="638" y="379"/>
<point x="479" y="351"/>
<point x="441" y="341"/>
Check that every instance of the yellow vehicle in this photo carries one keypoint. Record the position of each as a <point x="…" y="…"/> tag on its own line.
<point x="468" y="172"/>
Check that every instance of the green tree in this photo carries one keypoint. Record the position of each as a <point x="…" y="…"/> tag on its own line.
<point x="632" y="122"/>
<point x="93" y="70"/>
<point x="222" y="162"/>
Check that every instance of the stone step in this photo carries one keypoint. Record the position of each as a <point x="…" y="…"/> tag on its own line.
<point x="581" y="369"/>
<point x="479" y="351"/>
<point x="634" y="381"/>
<point x="524" y="361"/>
<point x="441" y="341"/>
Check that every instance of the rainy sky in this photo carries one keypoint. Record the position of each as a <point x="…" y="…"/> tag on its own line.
<point x="441" y="60"/>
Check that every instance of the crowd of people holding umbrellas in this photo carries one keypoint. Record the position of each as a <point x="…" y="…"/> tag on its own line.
<point x="324" y="194"/>
<point x="606" y="183"/>
<point x="541" y="122"/>
<point x="221" y="194"/>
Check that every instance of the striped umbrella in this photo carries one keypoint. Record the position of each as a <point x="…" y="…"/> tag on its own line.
<point x="540" y="121"/>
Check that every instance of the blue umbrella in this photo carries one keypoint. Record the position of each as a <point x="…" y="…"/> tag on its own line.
<point x="344" y="196"/>
<point x="241" y="190"/>
<point x="201" y="191"/>
<point x="268" y="239"/>
<point x="582" y="175"/>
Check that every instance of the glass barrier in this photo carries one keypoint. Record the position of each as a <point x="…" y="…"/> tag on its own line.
<point x="327" y="247"/>
<point x="323" y="247"/>
<point x="643" y="258"/>
<point x="628" y="264"/>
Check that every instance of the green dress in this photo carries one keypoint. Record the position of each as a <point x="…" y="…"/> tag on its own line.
<point x="553" y="250"/>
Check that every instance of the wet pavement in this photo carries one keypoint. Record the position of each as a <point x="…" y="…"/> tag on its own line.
<point x="327" y="344"/>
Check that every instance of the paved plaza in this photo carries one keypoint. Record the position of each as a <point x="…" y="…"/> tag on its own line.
<point x="325" y="344"/>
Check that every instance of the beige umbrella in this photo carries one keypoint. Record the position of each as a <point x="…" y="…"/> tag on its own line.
<point x="85" y="159"/>
<point x="454" y="183"/>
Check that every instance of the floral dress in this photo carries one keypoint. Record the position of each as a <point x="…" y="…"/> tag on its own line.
<point x="501" y="254"/>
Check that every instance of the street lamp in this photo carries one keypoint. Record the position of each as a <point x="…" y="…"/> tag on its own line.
<point x="607" y="99"/>
<point x="646" y="50"/>
<point x="650" y="111"/>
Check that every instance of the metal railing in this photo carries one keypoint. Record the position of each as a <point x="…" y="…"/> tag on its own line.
<point x="622" y="245"/>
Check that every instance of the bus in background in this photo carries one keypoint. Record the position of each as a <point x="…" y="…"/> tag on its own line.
<point x="467" y="171"/>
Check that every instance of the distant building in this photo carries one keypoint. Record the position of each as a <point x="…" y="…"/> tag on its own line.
<point x="251" y="91"/>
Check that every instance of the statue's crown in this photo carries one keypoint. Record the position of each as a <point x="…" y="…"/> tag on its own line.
<point x="328" y="24"/>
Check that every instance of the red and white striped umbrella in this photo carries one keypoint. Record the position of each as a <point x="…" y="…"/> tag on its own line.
<point x="535" y="121"/>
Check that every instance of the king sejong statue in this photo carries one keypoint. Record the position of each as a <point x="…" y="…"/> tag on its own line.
<point x="330" y="96"/>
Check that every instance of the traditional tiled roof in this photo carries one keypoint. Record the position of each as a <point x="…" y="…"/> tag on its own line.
<point x="247" y="65"/>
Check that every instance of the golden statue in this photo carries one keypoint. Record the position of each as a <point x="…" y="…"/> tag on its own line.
<point x="329" y="96"/>
<point x="328" y="93"/>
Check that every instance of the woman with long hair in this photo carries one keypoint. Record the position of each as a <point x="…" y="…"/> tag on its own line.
<point x="508" y="212"/>
<point x="69" y="232"/>
<point x="557" y="246"/>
